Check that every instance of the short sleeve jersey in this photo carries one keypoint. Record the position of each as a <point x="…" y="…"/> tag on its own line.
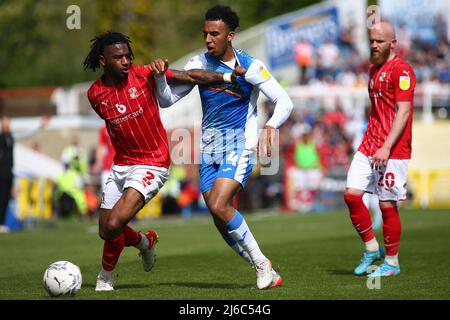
<point x="131" y="114"/>
<point x="392" y="82"/>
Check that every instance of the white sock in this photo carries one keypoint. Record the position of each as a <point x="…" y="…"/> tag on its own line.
<point x="240" y="232"/>
<point x="392" y="260"/>
<point x="375" y="206"/>
<point x="143" y="244"/>
<point x="238" y="249"/>
<point x="372" y="245"/>
<point x="106" y="274"/>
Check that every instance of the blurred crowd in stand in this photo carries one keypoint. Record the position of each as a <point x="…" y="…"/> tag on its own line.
<point x="341" y="63"/>
<point x="320" y="137"/>
<point x="318" y="140"/>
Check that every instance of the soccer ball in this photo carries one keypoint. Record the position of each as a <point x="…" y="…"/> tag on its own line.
<point x="62" y="278"/>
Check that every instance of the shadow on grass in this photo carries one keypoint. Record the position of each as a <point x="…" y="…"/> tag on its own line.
<point x="121" y="286"/>
<point x="203" y="285"/>
<point x="341" y="272"/>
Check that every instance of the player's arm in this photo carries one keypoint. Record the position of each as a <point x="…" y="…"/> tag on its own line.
<point x="381" y="156"/>
<point x="31" y="132"/>
<point x="182" y="82"/>
<point x="168" y="95"/>
<point x="404" y="83"/>
<point x="258" y="75"/>
<point x="205" y="77"/>
<point x="283" y="108"/>
<point x="194" y="76"/>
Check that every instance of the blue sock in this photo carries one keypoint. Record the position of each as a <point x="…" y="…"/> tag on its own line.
<point x="237" y="248"/>
<point x="240" y="233"/>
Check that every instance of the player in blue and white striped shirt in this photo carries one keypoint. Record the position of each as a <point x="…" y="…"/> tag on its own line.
<point x="229" y="129"/>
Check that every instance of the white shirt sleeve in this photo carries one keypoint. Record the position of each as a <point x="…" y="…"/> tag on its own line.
<point x="258" y="75"/>
<point x="167" y="94"/>
<point x="27" y="134"/>
<point x="197" y="62"/>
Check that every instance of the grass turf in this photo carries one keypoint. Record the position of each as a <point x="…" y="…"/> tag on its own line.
<point x="315" y="254"/>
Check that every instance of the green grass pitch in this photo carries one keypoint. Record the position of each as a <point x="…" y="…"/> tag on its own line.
<point x="315" y="254"/>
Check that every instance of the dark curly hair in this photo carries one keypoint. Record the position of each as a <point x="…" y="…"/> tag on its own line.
<point x="224" y="13"/>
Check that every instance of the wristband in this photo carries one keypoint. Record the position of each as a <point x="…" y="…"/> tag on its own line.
<point x="227" y="77"/>
<point x="169" y="74"/>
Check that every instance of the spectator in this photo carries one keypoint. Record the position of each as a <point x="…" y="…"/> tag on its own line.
<point x="306" y="156"/>
<point x="303" y="55"/>
<point x="74" y="155"/>
<point x="335" y="117"/>
<point x="328" y="59"/>
<point x="188" y="197"/>
<point x="403" y="40"/>
<point x="7" y="140"/>
<point x="346" y="41"/>
<point x="309" y="174"/>
<point x="70" y="195"/>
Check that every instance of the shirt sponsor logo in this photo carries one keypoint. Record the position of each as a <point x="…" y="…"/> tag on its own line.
<point x="404" y="82"/>
<point x="128" y="116"/>
<point x="121" y="108"/>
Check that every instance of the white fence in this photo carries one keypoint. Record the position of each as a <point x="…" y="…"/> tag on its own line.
<point x="431" y="99"/>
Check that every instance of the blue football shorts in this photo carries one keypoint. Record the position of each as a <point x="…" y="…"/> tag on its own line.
<point x="236" y="165"/>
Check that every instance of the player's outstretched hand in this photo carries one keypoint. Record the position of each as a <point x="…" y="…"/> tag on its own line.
<point x="238" y="71"/>
<point x="159" y="66"/>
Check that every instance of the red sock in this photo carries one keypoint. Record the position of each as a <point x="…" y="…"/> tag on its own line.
<point x="111" y="252"/>
<point x="132" y="238"/>
<point x="360" y="216"/>
<point x="392" y="229"/>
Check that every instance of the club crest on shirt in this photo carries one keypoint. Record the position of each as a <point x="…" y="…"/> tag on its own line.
<point x="133" y="93"/>
<point x="382" y="77"/>
<point x="404" y="82"/>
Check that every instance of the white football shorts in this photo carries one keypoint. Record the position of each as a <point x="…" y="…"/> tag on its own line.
<point x="148" y="180"/>
<point x="389" y="182"/>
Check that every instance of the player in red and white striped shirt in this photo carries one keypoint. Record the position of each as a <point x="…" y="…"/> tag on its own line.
<point x="381" y="163"/>
<point x="104" y="155"/>
<point x="125" y="98"/>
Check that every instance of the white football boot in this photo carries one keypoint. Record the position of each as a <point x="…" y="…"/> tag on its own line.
<point x="264" y="275"/>
<point x="104" y="282"/>
<point x="277" y="281"/>
<point x="148" y="254"/>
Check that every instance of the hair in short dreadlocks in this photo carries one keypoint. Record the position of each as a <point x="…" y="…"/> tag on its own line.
<point x="99" y="43"/>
